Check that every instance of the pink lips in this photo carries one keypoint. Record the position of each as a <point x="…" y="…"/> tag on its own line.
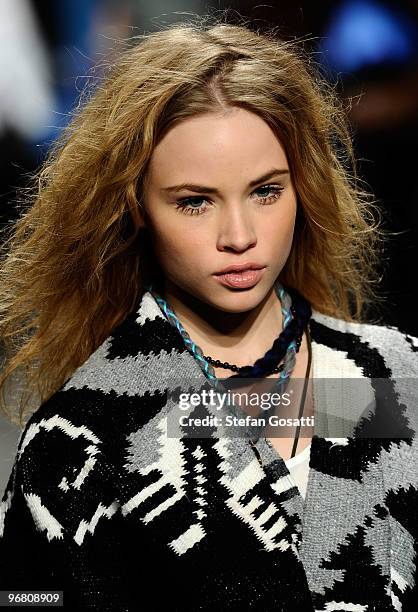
<point x="242" y="279"/>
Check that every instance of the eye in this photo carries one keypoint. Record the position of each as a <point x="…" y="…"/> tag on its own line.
<point x="273" y="192"/>
<point x="186" y="205"/>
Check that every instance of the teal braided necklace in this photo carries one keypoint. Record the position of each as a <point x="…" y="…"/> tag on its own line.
<point x="289" y="359"/>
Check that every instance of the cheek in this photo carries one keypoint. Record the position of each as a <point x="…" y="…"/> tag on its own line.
<point x="179" y="249"/>
<point x="277" y="234"/>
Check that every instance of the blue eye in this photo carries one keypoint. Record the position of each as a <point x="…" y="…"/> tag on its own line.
<point x="185" y="205"/>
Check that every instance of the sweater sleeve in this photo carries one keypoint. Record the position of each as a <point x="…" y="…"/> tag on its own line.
<point x="61" y="527"/>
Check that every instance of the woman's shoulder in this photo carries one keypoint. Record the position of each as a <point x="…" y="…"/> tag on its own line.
<point x="397" y="348"/>
<point x="110" y="393"/>
<point x="378" y="328"/>
<point x="373" y="331"/>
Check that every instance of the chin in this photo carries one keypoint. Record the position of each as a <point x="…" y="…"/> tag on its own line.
<point x="238" y="301"/>
<point x="225" y="299"/>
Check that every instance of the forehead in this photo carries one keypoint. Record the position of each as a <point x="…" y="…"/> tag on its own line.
<point x="214" y="146"/>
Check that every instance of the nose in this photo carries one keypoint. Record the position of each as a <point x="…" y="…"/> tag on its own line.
<point x="236" y="229"/>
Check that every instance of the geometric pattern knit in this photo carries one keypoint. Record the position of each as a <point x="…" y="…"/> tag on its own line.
<point x="103" y="505"/>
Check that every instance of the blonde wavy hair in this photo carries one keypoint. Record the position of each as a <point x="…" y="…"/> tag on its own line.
<point x="73" y="265"/>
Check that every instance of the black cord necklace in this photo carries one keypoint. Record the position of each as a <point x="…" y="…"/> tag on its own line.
<point x="305" y="385"/>
<point x="271" y="362"/>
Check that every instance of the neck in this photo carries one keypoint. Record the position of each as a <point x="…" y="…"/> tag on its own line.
<point x="240" y="337"/>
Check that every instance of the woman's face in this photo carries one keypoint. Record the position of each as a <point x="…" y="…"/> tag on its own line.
<point x="219" y="193"/>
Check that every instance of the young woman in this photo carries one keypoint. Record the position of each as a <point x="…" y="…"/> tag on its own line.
<point x="199" y="223"/>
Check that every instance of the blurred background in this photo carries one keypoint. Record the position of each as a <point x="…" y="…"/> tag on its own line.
<point x="368" y="48"/>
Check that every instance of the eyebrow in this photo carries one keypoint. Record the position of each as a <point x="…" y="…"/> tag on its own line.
<point x="203" y="189"/>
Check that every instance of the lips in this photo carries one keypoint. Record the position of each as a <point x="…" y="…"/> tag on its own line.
<point x="245" y="266"/>
<point x="243" y="279"/>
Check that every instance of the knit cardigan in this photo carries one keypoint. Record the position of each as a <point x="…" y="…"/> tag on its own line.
<point x="102" y="504"/>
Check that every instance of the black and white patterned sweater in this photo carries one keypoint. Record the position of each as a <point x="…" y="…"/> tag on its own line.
<point x="103" y="505"/>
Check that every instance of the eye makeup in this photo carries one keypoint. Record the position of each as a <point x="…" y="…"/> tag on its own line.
<point x="184" y="205"/>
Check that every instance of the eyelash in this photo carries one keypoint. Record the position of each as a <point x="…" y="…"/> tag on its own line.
<point x="182" y="207"/>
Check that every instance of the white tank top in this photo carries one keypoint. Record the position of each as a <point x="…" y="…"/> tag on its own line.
<point x="298" y="467"/>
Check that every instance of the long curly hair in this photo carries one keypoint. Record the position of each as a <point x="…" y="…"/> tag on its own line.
<point x="74" y="263"/>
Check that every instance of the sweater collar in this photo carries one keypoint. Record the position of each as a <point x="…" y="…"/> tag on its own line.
<point x="329" y="354"/>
